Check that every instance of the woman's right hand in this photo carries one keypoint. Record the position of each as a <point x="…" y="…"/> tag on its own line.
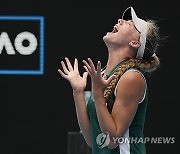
<point x="71" y="74"/>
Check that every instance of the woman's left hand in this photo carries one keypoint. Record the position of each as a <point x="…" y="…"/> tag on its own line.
<point x="99" y="84"/>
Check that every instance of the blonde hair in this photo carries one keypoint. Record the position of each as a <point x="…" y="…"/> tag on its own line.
<point x="148" y="63"/>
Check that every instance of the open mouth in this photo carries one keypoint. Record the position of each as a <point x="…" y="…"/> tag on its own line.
<point x="115" y="30"/>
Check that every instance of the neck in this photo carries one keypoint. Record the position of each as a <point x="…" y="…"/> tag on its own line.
<point x="115" y="57"/>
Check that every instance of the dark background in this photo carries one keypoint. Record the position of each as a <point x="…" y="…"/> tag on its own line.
<point x="37" y="112"/>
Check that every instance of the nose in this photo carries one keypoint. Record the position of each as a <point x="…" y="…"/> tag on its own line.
<point x="120" y="21"/>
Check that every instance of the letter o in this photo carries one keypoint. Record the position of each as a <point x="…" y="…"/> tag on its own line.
<point x="32" y="43"/>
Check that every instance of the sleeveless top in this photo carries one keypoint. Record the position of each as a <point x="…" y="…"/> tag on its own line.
<point x="134" y="132"/>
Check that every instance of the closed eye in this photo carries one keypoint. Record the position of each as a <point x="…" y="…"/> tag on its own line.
<point x="130" y="22"/>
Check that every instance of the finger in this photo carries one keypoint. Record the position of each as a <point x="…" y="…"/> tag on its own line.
<point x="85" y="74"/>
<point x="70" y="68"/>
<point x="76" y="65"/>
<point x="99" y="67"/>
<point x="62" y="74"/>
<point x="87" y="66"/>
<point x="64" y="67"/>
<point x="86" y="70"/>
<point x="111" y="78"/>
<point x="91" y="64"/>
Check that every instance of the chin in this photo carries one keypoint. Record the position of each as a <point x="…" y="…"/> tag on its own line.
<point x="106" y="38"/>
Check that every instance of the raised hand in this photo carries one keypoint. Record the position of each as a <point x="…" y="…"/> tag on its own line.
<point x="98" y="82"/>
<point x="71" y="74"/>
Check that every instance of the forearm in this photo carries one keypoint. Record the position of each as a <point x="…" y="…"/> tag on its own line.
<point x="104" y="117"/>
<point x="82" y="116"/>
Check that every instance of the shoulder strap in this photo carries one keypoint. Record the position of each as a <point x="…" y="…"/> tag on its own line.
<point x="140" y="72"/>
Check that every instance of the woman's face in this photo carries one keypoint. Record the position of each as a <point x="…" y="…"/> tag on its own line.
<point x="123" y="33"/>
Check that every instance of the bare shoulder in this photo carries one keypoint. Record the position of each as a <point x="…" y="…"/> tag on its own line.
<point x="133" y="77"/>
<point x="131" y="86"/>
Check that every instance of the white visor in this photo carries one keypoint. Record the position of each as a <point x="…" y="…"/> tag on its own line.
<point x="141" y="26"/>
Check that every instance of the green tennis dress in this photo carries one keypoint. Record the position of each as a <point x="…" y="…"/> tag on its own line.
<point x="134" y="133"/>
